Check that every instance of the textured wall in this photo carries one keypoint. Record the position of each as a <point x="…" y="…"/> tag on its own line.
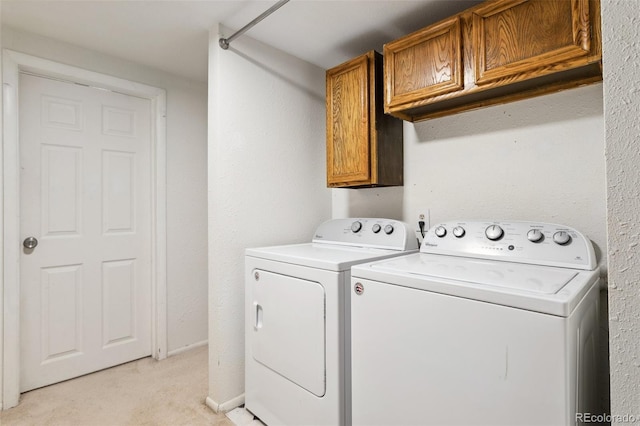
<point x="538" y="159"/>
<point x="266" y="182"/>
<point x="621" y="58"/>
<point x="186" y="217"/>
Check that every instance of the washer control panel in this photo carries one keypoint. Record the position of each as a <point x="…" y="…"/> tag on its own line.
<point x="515" y="241"/>
<point x="367" y="232"/>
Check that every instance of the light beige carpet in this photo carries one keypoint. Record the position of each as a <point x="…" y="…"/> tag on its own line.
<point x="143" y="392"/>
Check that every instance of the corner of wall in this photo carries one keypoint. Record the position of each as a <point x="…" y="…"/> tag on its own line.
<point x="621" y="54"/>
<point x="227" y="406"/>
<point x="1" y="222"/>
<point x="212" y="115"/>
<point x="266" y="168"/>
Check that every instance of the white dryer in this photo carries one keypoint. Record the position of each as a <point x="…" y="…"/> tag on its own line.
<point x="492" y="323"/>
<point x="297" y="319"/>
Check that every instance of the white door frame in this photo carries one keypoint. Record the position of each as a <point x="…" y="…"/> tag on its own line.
<point x="12" y="64"/>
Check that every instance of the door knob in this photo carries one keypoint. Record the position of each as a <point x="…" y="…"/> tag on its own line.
<point x="30" y="242"/>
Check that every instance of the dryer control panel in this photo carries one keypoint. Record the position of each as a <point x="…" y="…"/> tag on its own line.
<point x="367" y="232"/>
<point x="514" y="241"/>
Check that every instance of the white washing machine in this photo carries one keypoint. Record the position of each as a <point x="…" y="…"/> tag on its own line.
<point x="492" y="323"/>
<point x="297" y="319"/>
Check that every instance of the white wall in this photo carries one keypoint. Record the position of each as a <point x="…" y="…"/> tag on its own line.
<point x="266" y="182"/>
<point x="370" y="202"/>
<point x="186" y="176"/>
<point x="187" y="269"/>
<point x="621" y="57"/>
<point x="538" y="159"/>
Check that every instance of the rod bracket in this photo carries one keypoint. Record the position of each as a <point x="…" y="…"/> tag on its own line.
<point x="224" y="42"/>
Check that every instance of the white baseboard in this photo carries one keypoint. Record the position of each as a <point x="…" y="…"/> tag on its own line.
<point x="225" y="406"/>
<point x="187" y="348"/>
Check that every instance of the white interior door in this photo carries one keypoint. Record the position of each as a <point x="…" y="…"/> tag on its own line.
<point x="85" y="195"/>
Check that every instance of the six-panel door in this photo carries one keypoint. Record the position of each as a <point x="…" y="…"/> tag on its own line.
<point x="85" y="195"/>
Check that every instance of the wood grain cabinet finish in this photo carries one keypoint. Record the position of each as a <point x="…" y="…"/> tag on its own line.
<point x="427" y="64"/>
<point x="508" y="50"/>
<point x="364" y="146"/>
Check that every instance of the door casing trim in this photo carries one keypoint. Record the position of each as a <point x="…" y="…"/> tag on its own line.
<point x="12" y="64"/>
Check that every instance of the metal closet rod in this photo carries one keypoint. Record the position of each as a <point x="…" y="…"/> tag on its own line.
<point x="224" y="42"/>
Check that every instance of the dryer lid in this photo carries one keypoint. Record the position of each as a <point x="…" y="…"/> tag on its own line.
<point x="331" y="257"/>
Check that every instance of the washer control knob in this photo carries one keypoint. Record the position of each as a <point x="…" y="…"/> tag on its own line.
<point x="562" y="237"/>
<point x="440" y="231"/>
<point x="376" y="228"/>
<point x="535" y="235"/>
<point x="356" y="227"/>
<point x="494" y="232"/>
<point x="388" y="229"/>
<point x="458" y="231"/>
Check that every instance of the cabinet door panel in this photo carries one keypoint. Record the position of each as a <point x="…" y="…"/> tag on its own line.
<point x="348" y="151"/>
<point x="426" y="63"/>
<point x="518" y="37"/>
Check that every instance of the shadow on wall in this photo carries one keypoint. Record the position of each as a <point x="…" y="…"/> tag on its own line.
<point x="528" y="113"/>
<point x="363" y="43"/>
<point x="384" y="202"/>
<point x="278" y="75"/>
<point x="425" y="14"/>
<point x="432" y="12"/>
<point x="600" y="256"/>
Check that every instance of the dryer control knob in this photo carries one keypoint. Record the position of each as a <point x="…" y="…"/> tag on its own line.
<point x="388" y="229"/>
<point x="458" y="231"/>
<point x="376" y="228"/>
<point x="562" y="237"/>
<point x="535" y="235"/>
<point x="356" y="227"/>
<point x="441" y="231"/>
<point x="494" y="232"/>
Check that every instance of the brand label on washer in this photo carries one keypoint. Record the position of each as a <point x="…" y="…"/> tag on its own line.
<point x="358" y="288"/>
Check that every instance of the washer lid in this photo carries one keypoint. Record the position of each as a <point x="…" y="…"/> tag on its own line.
<point x="545" y="289"/>
<point x="331" y="257"/>
<point x="534" y="279"/>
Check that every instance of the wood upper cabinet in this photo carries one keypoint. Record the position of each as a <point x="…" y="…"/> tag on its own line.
<point x="427" y="64"/>
<point x="516" y="37"/>
<point x="507" y="50"/>
<point x="364" y="146"/>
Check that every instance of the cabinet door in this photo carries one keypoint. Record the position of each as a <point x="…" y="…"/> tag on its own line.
<point x="424" y="64"/>
<point x="348" y="150"/>
<point x="526" y="38"/>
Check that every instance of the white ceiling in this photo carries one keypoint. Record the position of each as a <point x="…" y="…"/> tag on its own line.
<point x="172" y="35"/>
